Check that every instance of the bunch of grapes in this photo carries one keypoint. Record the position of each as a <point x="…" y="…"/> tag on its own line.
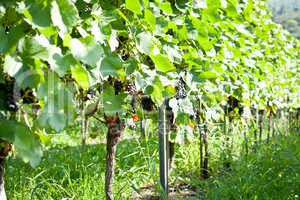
<point x="7" y="94"/>
<point x="232" y="104"/>
<point x="131" y="89"/>
<point x="91" y="93"/>
<point x="125" y="56"/>
<point x="118" y="86"/>
<point x="181" y="89"/>
<point x="147" y="103"/>
<point x="149" y="62"/>
<point x="28" y="96"/>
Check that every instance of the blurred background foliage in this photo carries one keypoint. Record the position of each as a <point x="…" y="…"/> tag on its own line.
<point x="287" y="13"/>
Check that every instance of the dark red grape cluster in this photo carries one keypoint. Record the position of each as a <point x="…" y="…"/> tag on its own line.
<point x="8" y="99"/>
<point x="131" y="89"/>
<point x="147" y="103"/>
<point x="118" y="86"/>
<point x="232" y="104"/>
<point x="28" y="96"/>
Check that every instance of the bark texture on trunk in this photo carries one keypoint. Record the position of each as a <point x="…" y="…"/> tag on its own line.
<point x="205" y="172"/>
<point x="246" y="142"/>
<point x="226" y="162"/>
<point x="200" y="129"/>
<point x="83" y="119"/>
<point x="260" y="124"/>
<point x="298" y="119"/>
<point x="4" y="150"/>
<point x="256" y="128"/>
<point x="84" y="130"/>
<point x="2" y="189"/>
<point x="270" y="128"/>
<point x="115" y="128"/>
<point x="201" y="146"/>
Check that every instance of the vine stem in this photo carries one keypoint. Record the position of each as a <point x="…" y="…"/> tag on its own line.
<point x="115" y="128"/>
<point x="200" y="135"/>
<point x="4" y="150"/>
<point x="83" y="125"/>
<point x="205" y="173"/>
<point x="2" y="189"/>
<point x="260" y="124"/>
<point x="270" y="127"/>
<point x="256" y="128"/>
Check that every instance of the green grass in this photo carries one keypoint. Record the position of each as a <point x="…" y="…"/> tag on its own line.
<point x="271" y="173"/>
<point x="68" y="173"/>
<point x="65" y="172"/>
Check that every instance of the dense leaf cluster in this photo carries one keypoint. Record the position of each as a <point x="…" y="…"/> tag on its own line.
<point x="217" y="48"/>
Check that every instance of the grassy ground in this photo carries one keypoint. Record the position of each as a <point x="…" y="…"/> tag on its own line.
<point x="271" y="173"/>
<point x="68" y="173"/>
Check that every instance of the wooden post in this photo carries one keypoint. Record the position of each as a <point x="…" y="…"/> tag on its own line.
<point x="260" y="124"/>
<point x="270" y="127"/>
<point x="163" y="148"/>
<point x="205" y="173"/>
<point x="256" y="127"/>
<point x="225" y="142"/>
<point x="244" y="131"/>
<point x="297" y="120"/>
<point x="200" y="129"/>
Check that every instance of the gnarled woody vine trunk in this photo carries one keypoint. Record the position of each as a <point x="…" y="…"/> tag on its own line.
<point x="205" y="172"/>
<point x="170" y="126"/>
<point x="4" y="150"/>
<point x="115" y="128"/>
<point x="260" y="124"/>
<point x="2" y="189"/>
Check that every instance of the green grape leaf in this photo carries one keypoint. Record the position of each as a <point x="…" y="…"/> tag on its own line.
<point x="55" y="120"/>
<point x="112" y="103"/>
<point x="86" y="50"/>
<point x="58" y="107"/>
<point x="64" y="15"/>
<point x="130" y="66"/>
<point x="145" y="43"/>
<point x="38" y="13"/>
<point x="26" y="144"/>
<point x="134" y="6"/>
<point x="204" y="43"/>
<point x="211" y="12"/>
<point x="156" y="90"/>
<point x="8" y="41"/>
<point x="81" y="76"/>
<point x="33" y="48"/>
<point x="12" y="65"/>
<point x="162" y="63"/>
<point x="166" y="8"/>
<point x="207" y="75"/>
<point x="150" y="19"/>
<point x="113" y="41"/>
<point x="232" y="8"/>
<point x="111" y="66"/>
<point x="62" y="63"/>
<point x="26" y="74"/>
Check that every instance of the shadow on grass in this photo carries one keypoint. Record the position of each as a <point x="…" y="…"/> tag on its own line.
<point x="271" y="173"/>
<point x="69" y="172"/>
